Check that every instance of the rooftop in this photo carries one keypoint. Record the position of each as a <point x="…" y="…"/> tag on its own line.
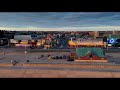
<point x="83" y="51"/>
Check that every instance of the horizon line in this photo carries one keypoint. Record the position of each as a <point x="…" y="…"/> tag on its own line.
<point x="97" y="28"/>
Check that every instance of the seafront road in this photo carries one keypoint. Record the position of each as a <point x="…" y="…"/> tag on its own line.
<point x="57" y="71"/>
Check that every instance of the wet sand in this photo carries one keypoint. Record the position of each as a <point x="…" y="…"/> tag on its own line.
<point x="29" y="73"/>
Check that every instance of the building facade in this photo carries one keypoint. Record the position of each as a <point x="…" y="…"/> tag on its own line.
<point x="88" y="54"/>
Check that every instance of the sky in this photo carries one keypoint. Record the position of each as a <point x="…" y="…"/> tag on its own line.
<point x="60" y="21"/>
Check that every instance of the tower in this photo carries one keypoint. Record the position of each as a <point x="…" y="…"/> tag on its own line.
<point x="113" y="32"/>
<point x="96" y="34"/>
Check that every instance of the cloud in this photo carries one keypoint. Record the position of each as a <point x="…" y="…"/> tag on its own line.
<point x="59" y="19"/>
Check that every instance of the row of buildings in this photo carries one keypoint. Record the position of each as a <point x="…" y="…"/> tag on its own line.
<point x="91" y="38"/>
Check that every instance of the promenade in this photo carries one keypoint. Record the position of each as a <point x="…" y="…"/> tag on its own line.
<point x="30" y="73"/>
<point x="48" y="69"/>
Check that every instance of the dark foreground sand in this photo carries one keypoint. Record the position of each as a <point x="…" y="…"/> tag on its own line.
<point x="29" y="73"/>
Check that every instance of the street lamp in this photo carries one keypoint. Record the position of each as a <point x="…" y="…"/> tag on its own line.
<point x="25" y="49"/>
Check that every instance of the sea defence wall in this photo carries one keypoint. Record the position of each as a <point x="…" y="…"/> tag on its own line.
<point x="6" y="64"/>
<point x="64" y="66"/>
<point x="102" y="61"/>
<point x="72" y="66"/>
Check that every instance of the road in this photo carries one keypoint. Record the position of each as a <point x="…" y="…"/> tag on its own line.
<point x="17" y="49"/>
<point x="20" y="56"/>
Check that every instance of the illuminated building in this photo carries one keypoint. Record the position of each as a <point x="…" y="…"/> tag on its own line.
<point x="86" y="42"/>
<point x="88" y="54"/>
<point x="22" y="40"/>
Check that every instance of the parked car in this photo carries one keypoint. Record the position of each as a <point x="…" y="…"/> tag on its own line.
<point x="70" y="59"/>
<point x="61" y="57"/>
<point x="56" y="57"/>
<point x="52" y="57"/>
<point x="64" y="57"/>
<point x="49" y="55"/>
<point x="42" y="56"/>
